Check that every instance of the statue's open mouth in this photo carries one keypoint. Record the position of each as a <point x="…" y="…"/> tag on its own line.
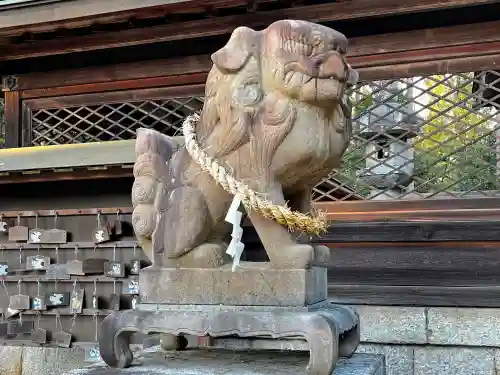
<point x="322" y="77"/>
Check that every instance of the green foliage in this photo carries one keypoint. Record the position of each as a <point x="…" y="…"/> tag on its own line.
<point x="455" y="150"/>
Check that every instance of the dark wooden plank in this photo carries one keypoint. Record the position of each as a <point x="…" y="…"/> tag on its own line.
<point x="481" y="32"/>
<point x="349" y="10"/>
<point x="431" y="296"/>
<point x="142" y="10"/>
<point x="413" y="210"/>
<point x="184" y="79"/>
<point x="117" y="96"/>
<point x="112" y="73"/>
<point x="429" y="67"/>
<point x="404" y="232"/>
<point x="12" y="119"/>
<point x="438" y="257"/>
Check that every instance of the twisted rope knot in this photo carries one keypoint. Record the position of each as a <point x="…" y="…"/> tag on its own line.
<point x="293" y="220"/>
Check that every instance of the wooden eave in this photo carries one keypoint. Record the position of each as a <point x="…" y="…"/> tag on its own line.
<point x="207" y="21"/>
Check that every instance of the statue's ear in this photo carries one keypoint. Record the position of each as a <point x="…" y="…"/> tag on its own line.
<point x="235" y="54"/>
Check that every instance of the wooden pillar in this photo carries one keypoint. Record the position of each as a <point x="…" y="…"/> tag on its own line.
<point x="12" y="115"/>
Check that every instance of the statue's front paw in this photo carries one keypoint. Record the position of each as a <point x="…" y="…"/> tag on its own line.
<point x="321" y="254"/>
<point x="296" y="256"/>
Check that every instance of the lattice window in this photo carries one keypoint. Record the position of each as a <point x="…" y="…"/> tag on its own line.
<point x="110" y="121"/>
<point x="422" y="137"/>
<point x="419" y="137"/>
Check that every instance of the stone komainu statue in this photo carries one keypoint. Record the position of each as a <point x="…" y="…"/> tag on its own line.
<point x="275" y="116"/>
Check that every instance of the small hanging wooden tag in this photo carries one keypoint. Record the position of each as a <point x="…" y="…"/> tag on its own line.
<point x="9" y="312"/>
<point x="38" y="303"/>
<point x="56" y="272"/>
<point x="118" y="226"/>
<point x="39" y="336"/>
<point x="18" y="233"/>
<point x="76" y="304"/>
<point x="62" y="339"/>
<point x="17" y="327"/>
<point x="134" y="302"/>
<point x="115" y="269"/>
<point x="19" y="302"/>
<point x="92" y="353"/>
<point x="57" y="299"/>
<point x="114" y="302"/>
<point x="131" y="286"/>
<point x="3" y="328"/>
<point x="4" y="226"/>
<point x="86" y="266"/>
<point x="135" y="267"/>
<point x="53" y="236"/>
<point x="101" y="234"/>
<point x="37" y="262"/>
<point x="4" y="269"/>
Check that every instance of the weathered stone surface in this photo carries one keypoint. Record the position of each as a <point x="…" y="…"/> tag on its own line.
<point x="398" y="358"/>
<point x="256" y="285"/>
<point x="11" y="360"/>
<point x="51" y="361"/>
<point x="273" y="121"/>
<point x="464" y="326"/>
<point x="392" y="325"/>
<point x="332" y="331"/>
<point x="234" y="363"/>
<point x="454" y="361"/>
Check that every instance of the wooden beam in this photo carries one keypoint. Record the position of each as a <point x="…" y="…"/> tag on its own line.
<point x="429" y="210"/>
<point x="176" y="80"/>
<point x="446" y="49"/>
<point x="113" y="73"/>
<point x="337" y="11"/>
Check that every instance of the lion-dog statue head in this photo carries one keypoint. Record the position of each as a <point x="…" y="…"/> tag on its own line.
<point x="275" y="116"/>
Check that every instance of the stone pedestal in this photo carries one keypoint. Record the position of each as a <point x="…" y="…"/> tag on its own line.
<point x="254" y="302"/>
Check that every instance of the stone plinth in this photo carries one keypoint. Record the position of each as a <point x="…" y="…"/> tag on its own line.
<point x="253" y="284"/>
<point x="204" y="362"/>
<point x="331" y="331"/>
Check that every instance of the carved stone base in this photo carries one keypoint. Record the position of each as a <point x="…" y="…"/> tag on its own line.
<point x="331" y="331"/>
<point x="252" y="283"/>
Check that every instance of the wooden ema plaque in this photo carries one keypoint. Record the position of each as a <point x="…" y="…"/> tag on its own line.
<point x="38" y="303"/>
<point x="4" y="269"/>
<point x="47" y="236"/>
<point x="18" y="234"/>
<point x="115" y="269"/>
<point x="86" y="266"/>
<point x="39" y="336"/>
<point x="135" y="267"/>
<point x="57" y="299"/>
<point x="114" y="302"/>
<point x="19" y="302"/>
<point x="3" y="328"/>
<point x="19" y="327"/>
<point x="62" y="339"/>
<point x="37" y="262"/>
<point x="102" y="233"/>
<point x="76" y="303"/>
<point x="56" y="272"/>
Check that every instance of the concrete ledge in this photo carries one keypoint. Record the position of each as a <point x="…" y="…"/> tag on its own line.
<point x="392" y="325"/>
<point x="464" y="326"/>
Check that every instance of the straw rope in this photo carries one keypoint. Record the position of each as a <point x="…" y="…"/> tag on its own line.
<point x="293" y="220"/>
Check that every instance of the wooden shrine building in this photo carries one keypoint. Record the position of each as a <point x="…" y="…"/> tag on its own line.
<point x="80" y="76"/>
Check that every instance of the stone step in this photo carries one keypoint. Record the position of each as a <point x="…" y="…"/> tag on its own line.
<point x="217" y="362"/>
